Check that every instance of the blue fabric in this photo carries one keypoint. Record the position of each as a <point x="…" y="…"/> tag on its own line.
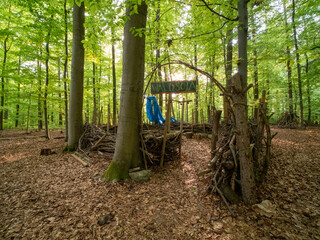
<point x="153" y="111"/>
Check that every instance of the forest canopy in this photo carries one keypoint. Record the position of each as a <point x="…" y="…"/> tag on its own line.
<point x="36" y="37"/>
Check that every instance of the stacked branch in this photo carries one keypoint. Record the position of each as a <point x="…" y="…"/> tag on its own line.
<point x="153" y="140"/>
<point x="96" y="139"/>
<point x="224" y="167"/>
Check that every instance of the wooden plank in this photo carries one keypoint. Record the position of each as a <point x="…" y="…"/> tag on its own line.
<point x="174" y="87"/>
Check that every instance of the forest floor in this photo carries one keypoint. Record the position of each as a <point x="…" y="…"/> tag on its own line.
<point x="55" y="197"/>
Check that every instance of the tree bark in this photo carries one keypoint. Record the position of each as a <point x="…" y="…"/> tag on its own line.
<point x="298" y="63"/>
<point x="127" y="153"/>
<point x="308" y="89"/>
<point x="39" y="93"/>
<point x="45" y="106"/>
<point x="65" y="70"/>
<point x="5" y="51"/>
<point x="196" y="102"/>
<point x="241" y="109"/>
<point x="289" y="71"/>
<point x="77" y="73"/>
<point x="18" y="104"/>
<point x="114" y="81"/>
<point x="94" y="112"/>
<point x="158" y="52"/>
<point x="60" y="96"/>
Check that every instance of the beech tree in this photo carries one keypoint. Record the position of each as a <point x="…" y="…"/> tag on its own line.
<point x="127" y="152"/>
<point x="77" y="72"/>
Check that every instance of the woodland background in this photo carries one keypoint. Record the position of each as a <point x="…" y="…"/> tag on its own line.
<point x="36" y="51"/>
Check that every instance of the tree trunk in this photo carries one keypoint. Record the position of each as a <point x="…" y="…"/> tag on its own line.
<point x="45" y="106"/>
<point x="298" y="63"/>
<point x="308" y="89"/>
<point x="18" y="104"/>
<point x="158" y="52"/>
<point x="255" y="71"/>
<point x="114" y="81"/>
<point x="241" y="110"/>
<point x="196" y="93"/>
<point x="127" y="153"/>
<point x="3" y="81"/>
<point x="226" y="105"/>
<point x="77" y="73"/>
<point x="94" y="112"/>
<point x="60" y="96"/>
<point x="39" y="94"/>
<point x="289" y="71"/>
<point x="65" y="70"/>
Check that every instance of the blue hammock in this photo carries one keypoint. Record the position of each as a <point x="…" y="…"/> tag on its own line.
<point x="153" y="111"/>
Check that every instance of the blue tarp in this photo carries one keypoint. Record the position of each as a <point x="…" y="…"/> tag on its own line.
<point x="153" y="111"/>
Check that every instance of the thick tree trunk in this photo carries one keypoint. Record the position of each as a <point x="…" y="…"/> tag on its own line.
<point x="241" y="110"/>
<point x="65" y="70"/>
<point x="298" y="63"/>
<point x="77" y="73"/>
<point x="127" y="153"/>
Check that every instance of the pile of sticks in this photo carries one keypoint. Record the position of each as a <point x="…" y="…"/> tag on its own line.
<point x="187" y="127"/>
<point x="224" y="168"/>
<point x="153" y="140"/>
<point x="97" y="139"/>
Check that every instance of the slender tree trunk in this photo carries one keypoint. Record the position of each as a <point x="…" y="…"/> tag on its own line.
<point x="127" y="153"/>
<point x="114" y="81"/>
<point x="196" y="94"/>
<point x="241" y="110"/>
<point x="65" y="70"/>
<point x="158" y="51"/>
<point x="255" y="71"/>
<point x="228" y="68"/>
<point x="18" y="104"/>
<point x="45" y="106"/>
<point x="298" y="63"/>
<point x="5" y="51"/>
<point x="289" y="71"/>
<point x="77" y="73"/>
<point x="39" y="94"/>
<point x="308" y="89"/>
<point x="60" y="96"/>
<point x="94" y="112"/>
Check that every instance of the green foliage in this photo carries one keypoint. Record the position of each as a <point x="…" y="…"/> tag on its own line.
<point x="174" y="28"/>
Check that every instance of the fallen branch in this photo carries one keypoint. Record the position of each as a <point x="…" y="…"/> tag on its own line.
<point x="85" y="164"/>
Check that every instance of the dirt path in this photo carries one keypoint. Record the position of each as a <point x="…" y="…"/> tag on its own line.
<point x="55" y="197"/>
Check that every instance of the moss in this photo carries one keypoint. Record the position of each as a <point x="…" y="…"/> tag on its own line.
<point x="68" y="148"/>
<point x="115" y="171"/>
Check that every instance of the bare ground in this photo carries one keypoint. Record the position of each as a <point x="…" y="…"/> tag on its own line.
<point x="55" y="197"/>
